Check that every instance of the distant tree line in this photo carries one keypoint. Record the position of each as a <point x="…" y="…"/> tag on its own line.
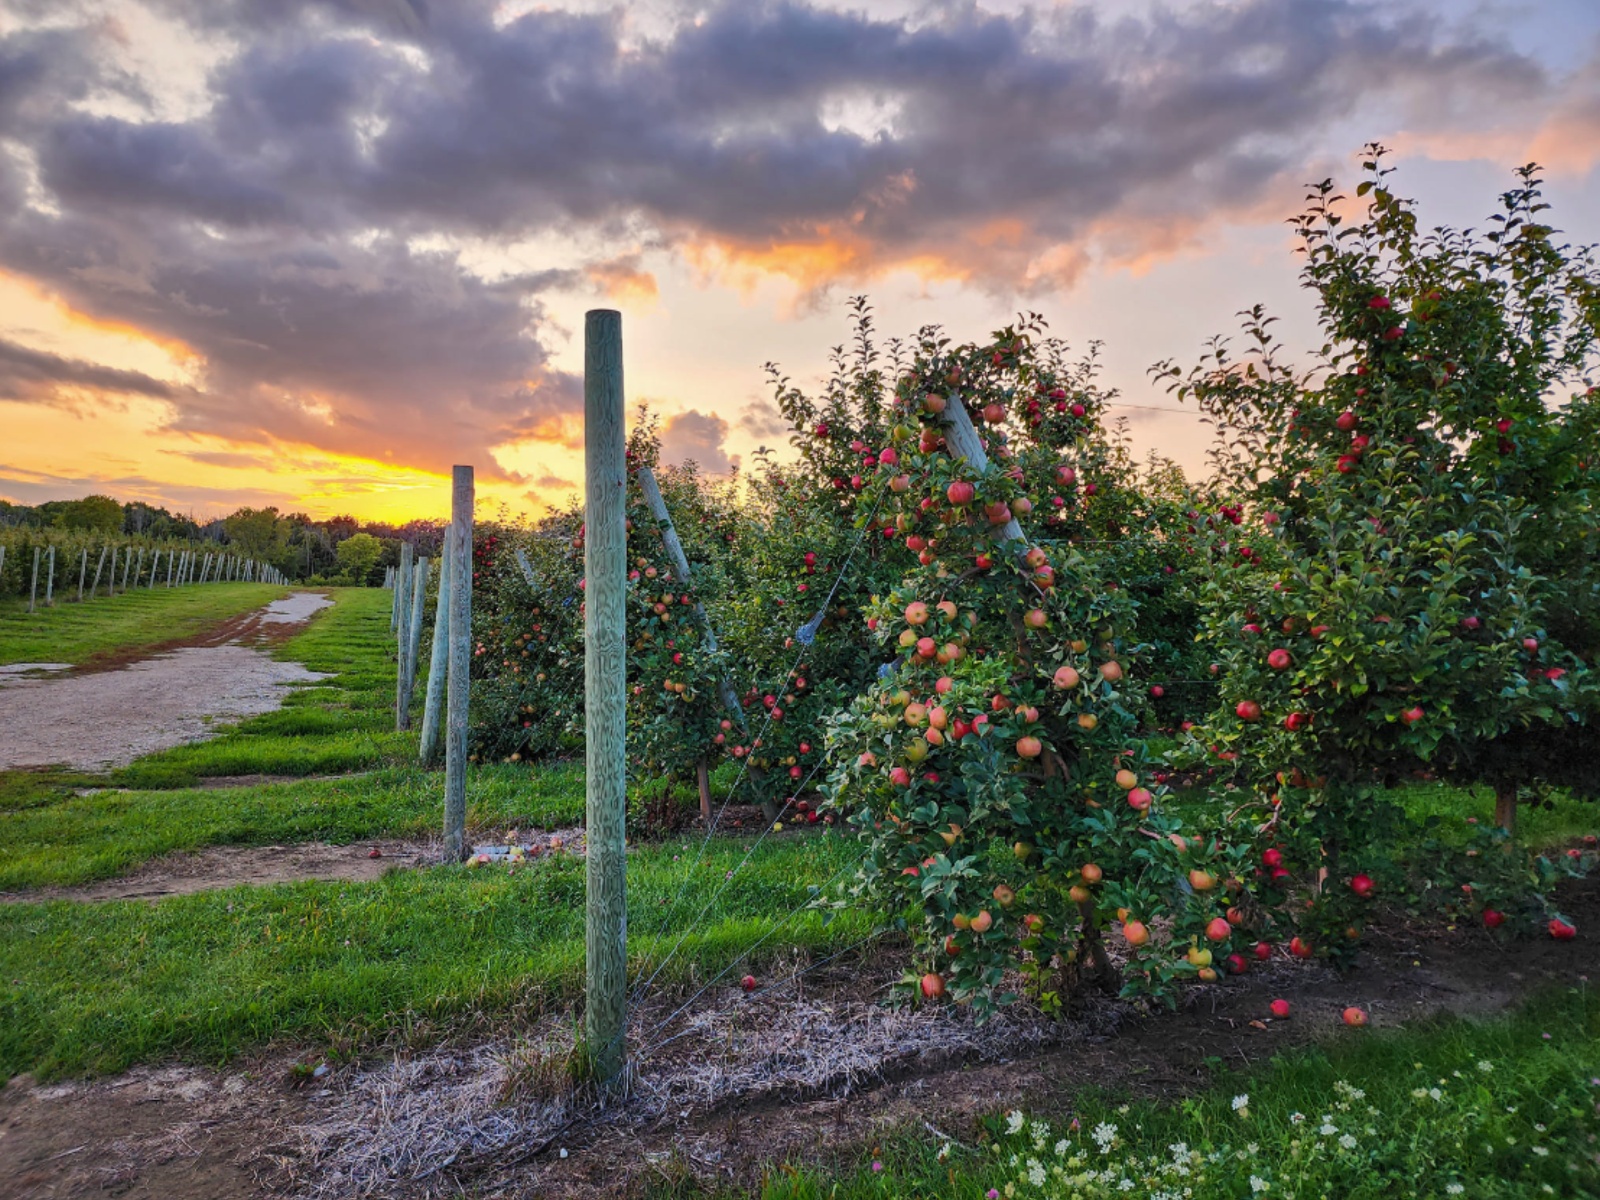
<point x="337" y="549"/>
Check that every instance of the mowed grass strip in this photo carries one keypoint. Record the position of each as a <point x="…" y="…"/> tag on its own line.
<point x="1503" y="1108"/>
<point x="127" y="623"/>
<point x="51" y="836"/>
<point x="98" y="987"/>
<point x="345" y="723"/>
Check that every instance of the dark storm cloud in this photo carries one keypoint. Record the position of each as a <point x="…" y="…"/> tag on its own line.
<point x="277" y="231"/>
<point x="33" y="375"/>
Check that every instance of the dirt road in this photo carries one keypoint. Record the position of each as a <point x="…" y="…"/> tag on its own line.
<point x="101" y="719"/>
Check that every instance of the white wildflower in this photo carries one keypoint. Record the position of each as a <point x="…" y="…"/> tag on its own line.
<point x="1347" y="1141"/>
<point x="1240" y="1103"/>
<point x="1036" y="1173"/>
<point x="1328" y="1129"/>
<point x="1061" y="1148"/>
<point x="1454" y="1189"/>
<point x="1485" y="1066"/>
<point x="1258" y="1185"/>
<point x="1014" y="1122"/>
<point x="1105" y="1135"/>
<point x="1296" y="1118"/>
<point x="1541" y="1151"/>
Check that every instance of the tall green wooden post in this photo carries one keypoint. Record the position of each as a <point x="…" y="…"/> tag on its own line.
<point x="605" y="566"/>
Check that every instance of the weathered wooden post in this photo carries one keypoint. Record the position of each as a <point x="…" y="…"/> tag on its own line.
<point x="438" y="658"/>
<point x="50" y="581"/>
<point x="400" y="593"/>
<point x="605" y="568"/>
<point x="33" y="591"/>
<point x="127" y="565"/>
<point x="83" y="573"/>
<point x="98" y="566"/>
<point x="138" y="567"/>
<point x="412" y="643"/>
<point x="155" y="561"/>
<point x="458" y="685"/>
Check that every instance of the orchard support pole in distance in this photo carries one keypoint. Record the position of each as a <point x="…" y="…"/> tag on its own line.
<point x="99" y="564"/>
<point x="50" y="581"/>
<point x="83" y="573"/>
<point x="457" y="686"/>
<point x="725" y="689"/>
<point x="155" y="561"/>
<point x="33" y="591"/>
<point x="402" y="592"/>
<point x="412" y="643"/>
<point x="605" y="568"/>
<point x="428" y="751"/>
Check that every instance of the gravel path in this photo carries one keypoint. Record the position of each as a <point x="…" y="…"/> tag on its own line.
<point x="109" y="718"/>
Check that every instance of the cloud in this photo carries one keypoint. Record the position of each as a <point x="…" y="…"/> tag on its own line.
<point x="38" y="375"/>
<point x="699" y="438"/>
<point x="300" y="230"/>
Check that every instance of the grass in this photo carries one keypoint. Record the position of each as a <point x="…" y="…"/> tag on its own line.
<point x="50" y="836"/>
<point x="1505" y="1108"/>
<point x="97" y="987"/>
<point x="125" y="623"/>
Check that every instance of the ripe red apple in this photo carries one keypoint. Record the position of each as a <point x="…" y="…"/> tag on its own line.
<point x="1135" y="933"/>
<point x="960" y="492"/>
<point x="1157" y="691"/>
<point x="1247" y="710"/>
<point x="1263" y="951"/>
<point x="1280" y="1009"/>
<point x="1066" y="677"/>
<point x="1530" y="644"/>
<point x="1300" y="948"/>
<point x="1362" y="885"/>
<point x="1035" y="618"/>
<point x="1493" y="918"/>
<point x="1218" y="930"/>
<point x="1029" y="747"/>
<point x="1345" y="421"/>
<point x="1139" y="799"/>
<point x="1412" y="715"/>
<point x="1561" y="931"/>
<point x="1295" y="722"/>
<point x="748" y="983"/>
<point x="1237" y="964"/>
<point x="900" y="777"/>
<point x="1355" y="1017"/>
<point x="1378" y="302"/>
<point x="1111" y="671"/>
<point x="983" y="922"/>
<point x="932" y="986"/>
<point x="1279" y="659"/>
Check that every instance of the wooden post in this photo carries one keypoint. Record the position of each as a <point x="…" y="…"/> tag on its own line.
<point x="964" y="443"/>
<point x="458" y="685"/>
<point x="407" y="680"/>
<point x="99" y="563"/>
<point x="702" y="776"/>
<point x="33" y="592"/>
<point x="605" y="567"/>
<point x="527" y="567"/>
<point x="127" y="565"/>
<point x="111" y="575"/>
<point x="155" y="561"/>
<point x="83" y="573"/>
<point x="680" y="563"/>
<point x="138" y="567"/>
<point x="50" y="581"/>
<point x="438" y="659"/>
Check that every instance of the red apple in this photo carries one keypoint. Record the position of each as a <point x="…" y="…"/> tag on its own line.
<point x="960" y="492"/>
<point x="1493" y="918"/>
<point x="1300" y="948"/>
<point x="1247" y="710"/>
<point x="1263" y="950"/>
<point x="748" y="983"/>
<point x="1355" y="1017"/>
<point x="1345" y="421"/>
<point x="1561" y="931"/>
<point x="1362" y="885"/>
<point x="1279" y="659"/>
<point x="932" y="985"/>
<point x="1280" y="1009"/>
<point x="1218" y="930"/>
<point x="1412" y="715"/>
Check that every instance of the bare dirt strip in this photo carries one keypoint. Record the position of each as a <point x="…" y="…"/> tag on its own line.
<point x="95" y="719"/>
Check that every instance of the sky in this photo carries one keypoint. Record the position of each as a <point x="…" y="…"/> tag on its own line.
<point x="312" y="253"/>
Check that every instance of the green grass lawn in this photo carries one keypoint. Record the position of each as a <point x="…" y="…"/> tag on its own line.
<point x="96" y="987"/>
<point x="127" y="622"/>
<point x="1500" y="1109"/>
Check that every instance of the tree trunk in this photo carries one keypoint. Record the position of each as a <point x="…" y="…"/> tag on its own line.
<point x="1505" y="806"/>
<point x="703" y="775"/>
<point x="1106" y="974"/>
